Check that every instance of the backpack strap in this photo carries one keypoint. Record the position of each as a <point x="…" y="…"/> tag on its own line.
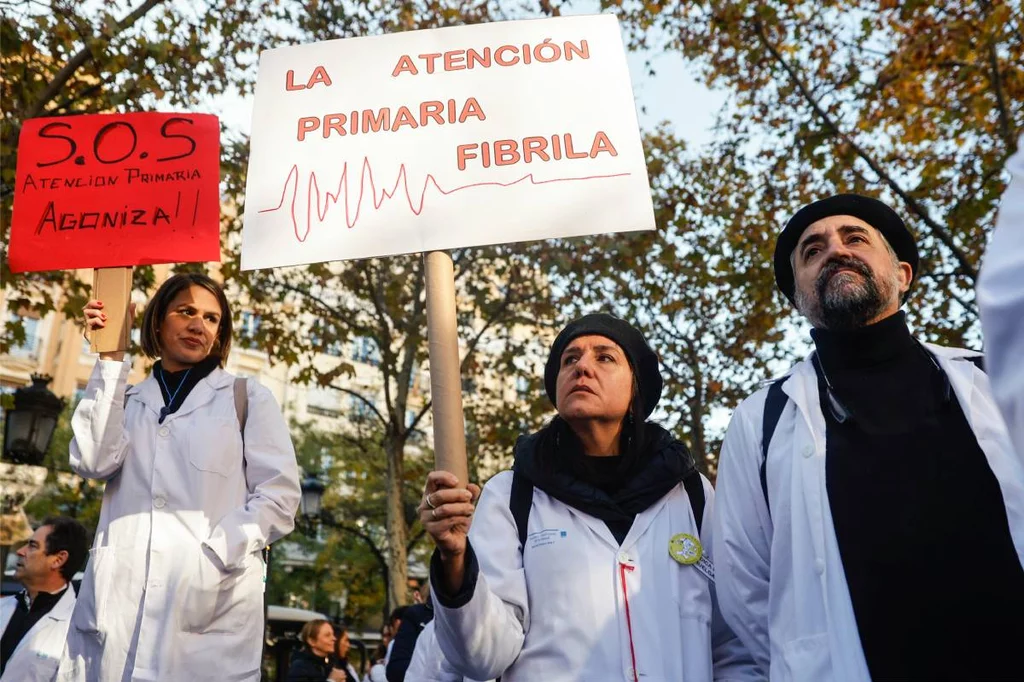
<point x="694" y="485"/>
<point x="241" y="403"/>
<point x="519" y="502"/>
<point x="774" y="404"/>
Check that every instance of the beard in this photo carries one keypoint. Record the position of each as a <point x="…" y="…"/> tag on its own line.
<point x="843" y="301"/>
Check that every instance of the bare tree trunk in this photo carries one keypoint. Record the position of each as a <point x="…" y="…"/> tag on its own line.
<point x="398" y="569"/>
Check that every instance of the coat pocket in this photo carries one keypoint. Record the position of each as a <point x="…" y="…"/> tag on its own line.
<point x="807" y="658"/>
<point x="215" y="445"/>
<point x="216" y="601"/>
<point x="95" y="589"/>
<point x="695" y="639"/>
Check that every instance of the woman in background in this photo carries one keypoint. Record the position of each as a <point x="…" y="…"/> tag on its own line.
<point x="313" y="661"/>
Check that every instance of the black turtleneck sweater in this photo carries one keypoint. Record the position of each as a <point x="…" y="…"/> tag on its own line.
<point x="936" y="585"/>
<point x="23" y="619"/>
<point x="175" y="386"/>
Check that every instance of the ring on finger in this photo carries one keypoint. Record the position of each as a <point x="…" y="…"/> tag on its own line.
<point x="433" y="512"/>
<point x="430" y="503"/>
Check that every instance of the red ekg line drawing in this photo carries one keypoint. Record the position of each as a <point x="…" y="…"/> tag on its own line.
<point x="323" y="203"/>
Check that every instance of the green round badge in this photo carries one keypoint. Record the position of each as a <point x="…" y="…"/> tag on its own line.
<point x="685" y="548"/>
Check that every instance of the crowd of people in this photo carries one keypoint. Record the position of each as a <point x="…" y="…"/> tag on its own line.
<point x="867" y="522"/>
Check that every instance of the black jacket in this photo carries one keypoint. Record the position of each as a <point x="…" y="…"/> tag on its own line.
<point x="416" y="616"/>
<point x="306" y="667"/>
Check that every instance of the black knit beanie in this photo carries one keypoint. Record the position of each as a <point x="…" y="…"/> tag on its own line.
<point x="870" y="210"/>
<point x="642" y="358"/>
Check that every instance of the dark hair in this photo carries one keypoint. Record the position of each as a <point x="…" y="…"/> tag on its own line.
<point x="67" y="535"/>
<point x="311" y="629"/>
<point x="339" y="633"/>
<point x="397" y="614"/>
<point x="157" y="310"/>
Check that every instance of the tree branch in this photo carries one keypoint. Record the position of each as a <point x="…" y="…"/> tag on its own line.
<point x="913" y="204"/>
<point x="84" y="55"/>
<point x="415" y="539"/>
<point x="329" y="521"/>
<point x="1005" y="126"/>
<point x="373" y="289"/>
<point x="333" y="311"/>
<point x="422" y="413"/>
<point x="366" y="401"/>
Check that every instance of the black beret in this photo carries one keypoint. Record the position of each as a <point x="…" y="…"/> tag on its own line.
<point x="642" y="358"/>
<point x="872" y="211"/>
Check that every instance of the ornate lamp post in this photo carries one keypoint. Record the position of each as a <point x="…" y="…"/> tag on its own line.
<point x="312" y="498"/>
<point x="29" y="426"/>
<point x="28" y="430"/>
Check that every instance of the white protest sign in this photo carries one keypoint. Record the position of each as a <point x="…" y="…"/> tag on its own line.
<point x="445" y="138"/>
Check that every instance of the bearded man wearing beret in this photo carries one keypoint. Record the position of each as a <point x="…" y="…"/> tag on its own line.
<point x="870" y="507"/>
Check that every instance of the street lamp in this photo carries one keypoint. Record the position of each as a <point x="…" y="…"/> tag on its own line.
<point x="312" y="497"/>
<point x="29" y="425"/>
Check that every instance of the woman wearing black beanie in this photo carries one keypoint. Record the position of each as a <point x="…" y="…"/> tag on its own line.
<point x="591" y="560"/>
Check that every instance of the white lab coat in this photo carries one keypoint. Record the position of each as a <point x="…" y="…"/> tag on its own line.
<point x="427" y="663"/>
<point x="377" y="673"/>
<point x="801" y="622"/>
<point x="36" y="656"/>
<point x="1001" y="299"/>
<point x="174" y="584"/>
<point x="559" y="613"/>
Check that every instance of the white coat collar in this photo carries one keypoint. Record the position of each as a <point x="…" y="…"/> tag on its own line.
<point x="64" y="606"/>
<point x="149" y="392"/>
<point x="60" y="612"/>
<point x="802" y="384"/>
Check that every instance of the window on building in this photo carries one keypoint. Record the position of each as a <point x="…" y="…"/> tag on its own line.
<point x="5" y="390"/>
<point x="364" y="349"/>
<point x="334" y="348"/>
<point x="323" y="401"/>
<point x="30" y="346"/>
<point x="360" y="411"/>
<point x="248" y="328"/>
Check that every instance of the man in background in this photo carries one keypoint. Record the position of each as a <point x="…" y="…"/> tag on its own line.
<point x="35" y="621"/>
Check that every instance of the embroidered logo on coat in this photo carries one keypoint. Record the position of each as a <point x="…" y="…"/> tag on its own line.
<point x="548" y="536"/>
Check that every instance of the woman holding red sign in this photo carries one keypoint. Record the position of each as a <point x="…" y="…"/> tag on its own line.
<point x="200" y="476"/>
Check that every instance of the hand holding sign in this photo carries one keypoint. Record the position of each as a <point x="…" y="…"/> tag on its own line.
<point x="110" y="190"/>
<point x="95" y="315"/>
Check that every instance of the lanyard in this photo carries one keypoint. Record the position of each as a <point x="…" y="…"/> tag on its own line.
<point x="166" y="409"/>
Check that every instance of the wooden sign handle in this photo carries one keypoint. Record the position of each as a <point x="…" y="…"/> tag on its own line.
<point x="445" y="372"/>
<point x="113" y="286"/>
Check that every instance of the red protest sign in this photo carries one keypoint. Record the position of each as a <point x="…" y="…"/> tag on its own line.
<point x="110" y="190"/>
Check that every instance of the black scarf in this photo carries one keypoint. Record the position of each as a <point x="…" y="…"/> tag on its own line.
<point x="554" y="464"/>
